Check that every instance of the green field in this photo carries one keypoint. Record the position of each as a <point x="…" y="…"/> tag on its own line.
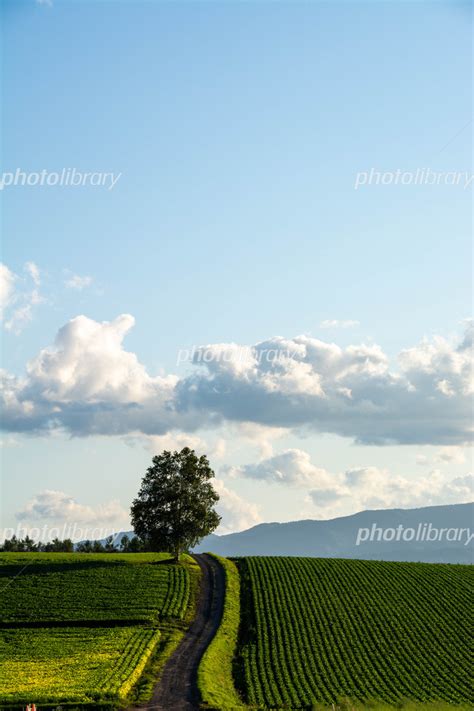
<point x="321" y="630"/>
<point x="80" y="665"/>
<point x="66" y="631"/>
<point x="296" y="633"/>
<point x="55" y="587"/>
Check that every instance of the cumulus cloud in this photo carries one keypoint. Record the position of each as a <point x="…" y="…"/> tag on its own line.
<point x="237" y="513"/>
<point x="78" y="282"/>
<point x="58" y="507"/>
<point x="349" y="391"/>
<point x="337" y="323"/>
<point x="18" y="296"/>
<point x="87" y="383"/>
<point x="358" y="488"/>
<point x="292" y="467"/>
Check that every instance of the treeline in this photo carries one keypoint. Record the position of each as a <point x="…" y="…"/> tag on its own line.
<point x="28" y="545"/>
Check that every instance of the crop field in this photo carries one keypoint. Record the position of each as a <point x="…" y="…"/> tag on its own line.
<point x="78" y="664"/>
<point x="90" y="588"/>
<point x="321" y="630"/>
<point x="80" y="628"/>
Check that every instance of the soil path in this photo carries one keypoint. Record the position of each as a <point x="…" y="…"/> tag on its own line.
<point x="177" y="688"/>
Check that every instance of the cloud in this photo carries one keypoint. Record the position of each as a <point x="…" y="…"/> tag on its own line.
<point x="19" y="296"/>
<point x="422" y="460"/>
<point x="292" y="467"/>
<point x="336" y="323"/>
<point x="237" y="513"/>
<point x="58" y="507"/>
<point x="450" y="455"/>
<point x="47" y="3"/>
<point x="7" y="287"/>
<point x="78" y="282"/>
<point x="33" y="270"/>
<point x="87" y="383"/>
<point x="358" y="488"/>
<point x="173" y="441"/>
<point x="352" y="391"/>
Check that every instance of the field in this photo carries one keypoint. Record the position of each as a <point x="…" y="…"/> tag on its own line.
<point x="322" y="630"/>
<point x="81" y="628"/>
<point x="78" y="664"/>
<point x="65" y="588"/>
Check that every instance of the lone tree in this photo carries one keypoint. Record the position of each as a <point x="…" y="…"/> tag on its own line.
<point x="174" y="508"/>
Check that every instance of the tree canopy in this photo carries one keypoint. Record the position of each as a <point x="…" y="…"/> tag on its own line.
<point x="174" y="508"/>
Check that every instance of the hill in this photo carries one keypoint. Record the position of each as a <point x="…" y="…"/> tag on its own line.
<point x="81" y="629"/>
<point x="320" y="631"/>
<point x="337" y="538"/>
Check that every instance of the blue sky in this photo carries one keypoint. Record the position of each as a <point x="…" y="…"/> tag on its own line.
<point x="238" y="130"/>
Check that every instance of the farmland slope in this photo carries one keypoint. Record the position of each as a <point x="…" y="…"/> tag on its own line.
<point x="320" y="630"/>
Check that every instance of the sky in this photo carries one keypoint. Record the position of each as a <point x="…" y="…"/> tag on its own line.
<point x="267" y="257"/>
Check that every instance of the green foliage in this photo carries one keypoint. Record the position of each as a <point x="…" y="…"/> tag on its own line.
<point x="317" y="631"/>
<point x="174" y="508"/>
<point x="78" y="664"/>
<point x="42" y="588"/>
<point x="27" y="544"/>
<point x="215" y="677"/>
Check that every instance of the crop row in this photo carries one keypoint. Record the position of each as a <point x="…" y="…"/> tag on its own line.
<point x="318" y="630"/>
<point x="72" y="664"/>
<point x="92" y="591"/>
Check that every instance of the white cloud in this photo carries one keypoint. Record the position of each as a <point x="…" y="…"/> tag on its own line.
<point x="337" y="323"/>
<point x="58" y="507"/>
<point x="237" y="513"/>
<point x="87" y="383"/>
<point x="7" y="286"/>
<point x="78" y="282"/>
<point x="33" y="270"/>
<point x="334" y="494"/>
<point x="173" y="441"/>
<point x="18" y="297"/>
<point x="292" y="467"/>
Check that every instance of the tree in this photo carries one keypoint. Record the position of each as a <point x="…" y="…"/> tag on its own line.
<point x="174" y="508"/>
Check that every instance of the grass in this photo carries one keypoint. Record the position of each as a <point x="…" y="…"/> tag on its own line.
<point x="215" y="674"/>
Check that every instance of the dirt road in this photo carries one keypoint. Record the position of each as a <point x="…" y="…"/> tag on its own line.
<point x="177" y="689"/>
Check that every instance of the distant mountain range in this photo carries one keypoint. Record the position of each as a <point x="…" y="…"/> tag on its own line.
<point x="418" y="532"/>
<point x="338" y="538"/>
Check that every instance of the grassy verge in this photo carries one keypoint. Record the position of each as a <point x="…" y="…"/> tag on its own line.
<point x="171" y="635"/>
<point x="215" y="678"/>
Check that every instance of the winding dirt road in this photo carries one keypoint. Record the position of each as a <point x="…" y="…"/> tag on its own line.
<point x="177" y="688"/>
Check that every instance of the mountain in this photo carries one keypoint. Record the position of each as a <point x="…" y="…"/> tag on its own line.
<point x="337" y="538"/>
